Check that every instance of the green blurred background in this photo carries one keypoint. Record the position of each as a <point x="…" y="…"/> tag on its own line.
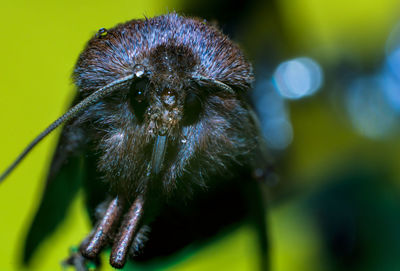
<point x="334" y="199"/>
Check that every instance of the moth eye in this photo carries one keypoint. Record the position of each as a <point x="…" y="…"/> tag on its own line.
<point x="138" y="99"/>
<point x="192" y="108"/>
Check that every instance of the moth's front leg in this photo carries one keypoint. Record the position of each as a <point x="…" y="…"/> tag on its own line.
<point x="92" y="245"/>
<point x="127" y="232"/>
<point x="99" y="237"/>
<point x="128" y="238"/>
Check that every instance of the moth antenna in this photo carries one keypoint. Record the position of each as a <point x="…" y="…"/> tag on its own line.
<point x="73" y="112"/>
<point x="219" y="84"/>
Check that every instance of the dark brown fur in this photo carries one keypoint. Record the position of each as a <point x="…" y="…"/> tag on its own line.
<point x="174" y="49"/>
<point x="212" y="136"/>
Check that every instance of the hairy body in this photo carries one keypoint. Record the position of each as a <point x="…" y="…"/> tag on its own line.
<point x="176" y="143"/>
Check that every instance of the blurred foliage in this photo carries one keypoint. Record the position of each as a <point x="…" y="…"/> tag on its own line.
<point x="335" y="206"/>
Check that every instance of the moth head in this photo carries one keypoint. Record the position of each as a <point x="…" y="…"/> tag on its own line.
<point x="164" y="100"/>
<point x="170" y="92"/>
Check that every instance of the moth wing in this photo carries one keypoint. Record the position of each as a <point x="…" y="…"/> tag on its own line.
<point x="64" y="179"/>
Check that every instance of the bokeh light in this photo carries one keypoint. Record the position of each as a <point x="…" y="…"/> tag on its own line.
<point x="297" y="78"/>
<point x="368" y="108"/>
<point x="271" y="109"/>
<point x="391" y="88"/>
<point x="393" y="62"/>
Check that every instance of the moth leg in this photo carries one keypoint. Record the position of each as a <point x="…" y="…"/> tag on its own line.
<point x="92" y="246"/>
<point x="128" y="229"/>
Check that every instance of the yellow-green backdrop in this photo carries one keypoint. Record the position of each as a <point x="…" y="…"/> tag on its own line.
<point x="39" y="44"/>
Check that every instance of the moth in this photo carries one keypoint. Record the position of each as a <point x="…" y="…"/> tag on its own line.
<point x="161" y="137"/>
